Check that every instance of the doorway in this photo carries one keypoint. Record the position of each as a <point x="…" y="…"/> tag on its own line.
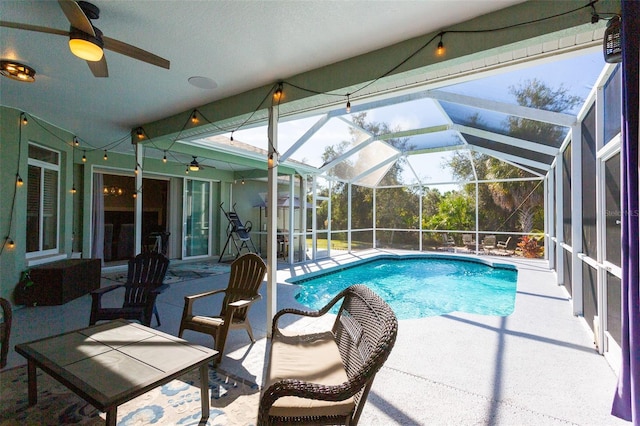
<point x="114" y="216"/>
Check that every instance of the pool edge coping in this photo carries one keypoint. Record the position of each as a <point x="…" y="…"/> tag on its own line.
<point x="295" y="280"/>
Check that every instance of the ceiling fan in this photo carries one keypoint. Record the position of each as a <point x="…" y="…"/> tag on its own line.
<point x="194" y="166"/>
<point x="87" y="41"/>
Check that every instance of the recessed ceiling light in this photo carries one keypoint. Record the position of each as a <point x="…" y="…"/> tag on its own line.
<point x="17" y="71"/>
<point x="203" y="82"/>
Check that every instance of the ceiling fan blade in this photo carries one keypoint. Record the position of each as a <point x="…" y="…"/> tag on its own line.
<point x="134" y="52"/>
<point x="99" y="68"/>
<point x="36" y="28"/>
<point x="76" y="16"/>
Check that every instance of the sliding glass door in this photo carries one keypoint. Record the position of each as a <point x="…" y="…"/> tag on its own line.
<point x="197" y="218"/>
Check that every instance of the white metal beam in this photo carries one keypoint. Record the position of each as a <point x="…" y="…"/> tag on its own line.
<point x="545" y="116"/>
<point x="507" y="140"/>
<point x="272" y="217"/>
<point x="577" y="300"/>
<point x="376" y="167"/>
<point x="414" y="132"/>
<point x="304" y="138"/>
<point x="512" y="158"/>
<point x="347" y="154"/>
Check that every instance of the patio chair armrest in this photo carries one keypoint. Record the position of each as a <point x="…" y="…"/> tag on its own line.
<point x="233" y="306"/>
<point x="205" y="294"/>
<point x="103" y="290"/>
<point x="243" y="303"/>
<point x="189" y="300"/>
<point x="313" y="314"/>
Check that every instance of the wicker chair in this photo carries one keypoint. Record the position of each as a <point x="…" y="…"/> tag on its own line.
<point x="247" y="274"/>
<point x="144" y="282"/>
<point x="324" y="378"/>
<point x="5" y="331"/>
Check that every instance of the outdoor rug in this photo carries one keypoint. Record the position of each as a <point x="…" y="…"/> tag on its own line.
<point x="181" y="272"/>
<point x="234" y="401"/>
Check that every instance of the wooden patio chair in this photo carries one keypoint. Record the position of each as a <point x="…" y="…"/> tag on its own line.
<point x="5" y="331"/>
<point x="247" y="274"/>
<point x="145" y="278"/>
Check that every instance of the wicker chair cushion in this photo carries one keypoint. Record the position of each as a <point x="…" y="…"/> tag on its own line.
<point x="313" y="358"/>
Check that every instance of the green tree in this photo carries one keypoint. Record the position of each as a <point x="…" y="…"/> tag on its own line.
<point x="455" y="211"/>
<point x="525" y="197"/>
<point x="430" y="201"/>
<point x="393" y="204"/>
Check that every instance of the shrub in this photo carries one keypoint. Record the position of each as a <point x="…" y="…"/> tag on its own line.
<point x="529" y="247"/>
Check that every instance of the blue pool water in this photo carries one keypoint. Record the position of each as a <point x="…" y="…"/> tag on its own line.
<point x="421" y="287"/>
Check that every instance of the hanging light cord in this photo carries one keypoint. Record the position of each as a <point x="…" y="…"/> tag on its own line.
<point x="15" y="190"/>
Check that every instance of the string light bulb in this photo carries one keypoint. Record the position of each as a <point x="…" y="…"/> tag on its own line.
<point x="24" y="119"/>
<point x="140" y="133"/>
<point x="231" y="138"/>
<point x="440" y="49"/>
<point x="84" y="156"/>
<point x="10" y="243"/>
<point x="348" y="105"/>
<point x="186" y="171"/>
<point x="270" y="160"/>
<point x="277" y="95"/>
<point x="105" y="155"/>
<point x="194" y="116"/>
<point x="76" y="142"/>
<point x="135" y="171"/>
<point x="19" y="181"/>
<point x="164" y="157"/>
<point x="73" y="189"/>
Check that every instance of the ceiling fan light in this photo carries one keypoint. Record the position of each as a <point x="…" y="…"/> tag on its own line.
<point x="17" y="71"/>
<point x="194" y="166"/>
<point x="85" y="46"/>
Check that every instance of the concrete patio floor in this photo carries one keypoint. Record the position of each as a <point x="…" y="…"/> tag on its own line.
<point x="537" y="366"/>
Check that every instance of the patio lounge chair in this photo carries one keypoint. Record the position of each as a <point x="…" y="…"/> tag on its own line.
<point x="324" y="378"/>
<point x="503" y="245"/>
<point x="247" y="274"/>
<point x="145" y="278"/>
<point x="449" y="242"/>
<point x="469" y="243"/>
<point x="489" y="243"/>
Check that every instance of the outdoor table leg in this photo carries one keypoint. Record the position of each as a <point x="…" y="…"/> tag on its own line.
<point x="204" y="390"/>
<point x="112" y="416"/>
<point x="32" y="382"/>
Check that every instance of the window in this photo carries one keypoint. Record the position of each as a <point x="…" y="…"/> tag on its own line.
<point x="42" y="201"/>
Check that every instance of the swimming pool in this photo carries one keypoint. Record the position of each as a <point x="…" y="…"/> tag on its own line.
<point x="420" y="286"/>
